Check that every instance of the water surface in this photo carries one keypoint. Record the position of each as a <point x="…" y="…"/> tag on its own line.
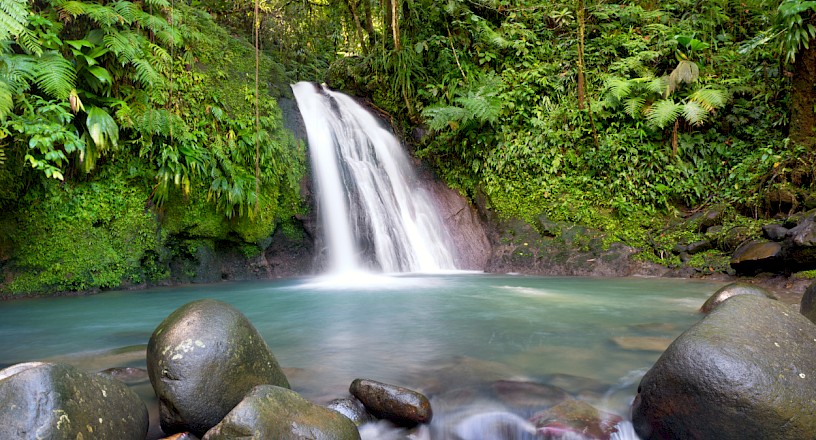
<point x="441" y="334"/>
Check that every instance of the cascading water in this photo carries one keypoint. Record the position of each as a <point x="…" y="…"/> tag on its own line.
<point x="374" y="212"/>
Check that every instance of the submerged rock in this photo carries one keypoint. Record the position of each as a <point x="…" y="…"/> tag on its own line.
<point x="578" y="418"/>
<point x="202" y="360"/>
<point x="271" y="412"/>
<point x="400" y="405"/>
<point x="747" y="370"/>
<point x="519" y="394"/>
<point x="58" y="401"/>
<point x="733" y="289"/>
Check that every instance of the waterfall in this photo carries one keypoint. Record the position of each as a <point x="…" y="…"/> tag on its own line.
<point x="374" y="211"/>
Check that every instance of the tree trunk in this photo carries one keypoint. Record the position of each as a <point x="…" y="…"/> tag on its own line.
<point x="357" y="25"/>
<point x="581" y="28"/>
<point x="803" y="99"/>
<point x="369" y="23"/>
<point x="395" y="24"/>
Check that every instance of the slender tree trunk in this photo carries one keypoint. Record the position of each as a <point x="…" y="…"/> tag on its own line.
<point x="803" y="99"/>
<point x="369" y="23"/>
<point x="389" y="12"/>
<point x="395" y="24"/>
<point x="581" y="30"/>
<point x="357" y="25"/>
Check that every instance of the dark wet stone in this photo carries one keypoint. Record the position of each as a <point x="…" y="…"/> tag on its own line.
<point x="774" y="232"/>
<point x="58" y="401"/>
<point x="757" y="256"/>
<point x="698" y="247"/>
<point x="731" y="290"/>
<point x="800" y="245"/>
<point x="746" y="370"/>
<point x="733" y="238"/>
<point x="202" y="360"/>
<point x="271" y="412"/>
<point x="577" y="418"/>
<point x="352" y="408"/>
<point x="807" y="305"/>
<point x="528" y="394"/>
<point x="400" y="405"/>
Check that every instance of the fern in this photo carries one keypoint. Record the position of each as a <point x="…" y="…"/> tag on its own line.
<point x="144" y="73"/>
<point x="634" y="106"/>
<point x="709" y="99"/>
<point x="55" y="75"/>
<point x="663" y="112"/>
<point x="130" y="12"/>
<point x="13" y="18"/>
<point x="618" y="88"/>
<point x="6" y="100"/>
<point x="72" y="8"/>
<point x="694" y="113"/>
<point x="442" y="117"/>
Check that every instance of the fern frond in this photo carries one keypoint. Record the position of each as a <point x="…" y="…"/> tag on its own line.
<point x="442" y="117"/>
<point x="72" y="8"/>
<point x="657" y="86"/>
<point x="55" y="75"/>
<point x="13" y="18"/>
<point x="130" y="12"/>
<point x="144" y="73"/>
<point x="694" y="113"/>
<point x="124" y="44"/>
<point x="17" y="71"/>
<point x="709" y="99"/>
<point x="663" y="112"/>
<point x="619" y="88"/>
<point x="28" y="41"/>
<point x="480" y="108"/>
<point x="158" y="3"/>
<point x="102" y="14"/>
<point x="633" y="106"/>
<point x="6" y="100"/>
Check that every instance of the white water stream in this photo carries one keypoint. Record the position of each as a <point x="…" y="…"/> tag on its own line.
<point x="374" y="211"/>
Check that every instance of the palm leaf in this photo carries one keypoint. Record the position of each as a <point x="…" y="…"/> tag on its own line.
<point x="55" y="75"/>
<point x="663" y="113"/>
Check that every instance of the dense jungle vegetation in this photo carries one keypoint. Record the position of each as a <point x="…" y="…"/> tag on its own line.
<point x="132" y="132"/>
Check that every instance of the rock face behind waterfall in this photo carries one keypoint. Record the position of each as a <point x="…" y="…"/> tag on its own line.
<point x="747" y="370"/>
<point x="58" y="401"/>
<point x="202" y="360"/>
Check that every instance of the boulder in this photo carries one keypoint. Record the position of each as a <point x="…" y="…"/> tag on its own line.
<point x="399" y="405"/>
<point x="733" y="289"/>
<point x="58" y="401"/>
<point x="800" y="244"/>
<point x="271" y="412"/>
<point x="746" y="370"/>
<point x="698" y="247"/>
<point x="757" y="256"/>
<point x="575" y="418"/>
<point x="774" y="232"/>
<point x="807" y="305"/>
<point x="202" y="360"/>
<point x="731" y="239"/>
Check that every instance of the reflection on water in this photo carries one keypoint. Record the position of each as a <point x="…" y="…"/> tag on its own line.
<point x="459" y="338"/>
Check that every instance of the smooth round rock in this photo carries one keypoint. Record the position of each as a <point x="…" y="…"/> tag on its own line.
<point x="746" y="370"/>
<point x="58" y="401"/>
<point x="202" y="360"/>
<point x="807" y="306"/>
<point x="399" y="405"/>
<point x="270" y="412"/>
<point x="731" y="290"/>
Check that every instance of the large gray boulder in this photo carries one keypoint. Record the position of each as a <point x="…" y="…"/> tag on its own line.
<point x="747" y="370"/>
<point x="202" y="360"/>
<point x="58" y="401"/>
<point x="807" y="306"/>
<point x="270" y="412"/>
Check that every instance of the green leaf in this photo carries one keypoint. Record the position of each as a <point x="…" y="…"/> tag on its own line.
<point x="55" y="75"/>
<point x="663" y="113"/>
<point x="102" y="128"/>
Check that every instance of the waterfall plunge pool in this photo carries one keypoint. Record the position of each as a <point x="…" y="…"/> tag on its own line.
<point x="473" y="343"/>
